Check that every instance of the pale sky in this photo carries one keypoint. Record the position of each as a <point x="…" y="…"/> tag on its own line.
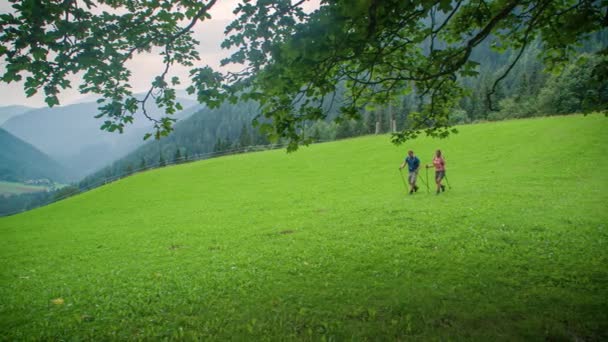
<point x="145" y="66"/>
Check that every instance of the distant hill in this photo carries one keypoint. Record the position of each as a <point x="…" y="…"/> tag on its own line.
<point x="8" y="112"/>
<point x="20" y="161"/>
<point x="71" y="135"/>
<point x="201" y="133"/>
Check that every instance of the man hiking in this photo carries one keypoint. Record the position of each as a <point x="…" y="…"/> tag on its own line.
<point x="413" y="163"/>
<point x="439" y="164"/>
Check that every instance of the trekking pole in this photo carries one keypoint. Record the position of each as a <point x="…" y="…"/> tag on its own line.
<point x="422" y="180"/>
<point x="427" y="180"/>
<point x="447" y="181"/>
<point x="403" y="179"/>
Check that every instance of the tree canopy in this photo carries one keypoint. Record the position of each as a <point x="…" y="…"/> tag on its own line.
<point x="292" y="61"/>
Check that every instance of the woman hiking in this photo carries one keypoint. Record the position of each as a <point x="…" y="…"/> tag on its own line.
<point x="439" y="164"/>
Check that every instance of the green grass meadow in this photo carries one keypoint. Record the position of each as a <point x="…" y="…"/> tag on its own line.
<point x="325" y="244"/>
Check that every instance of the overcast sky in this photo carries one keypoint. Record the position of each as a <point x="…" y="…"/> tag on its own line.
<point x="144" y="66"/>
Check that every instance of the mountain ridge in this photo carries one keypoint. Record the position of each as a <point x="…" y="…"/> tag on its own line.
<point x="20" y="161"/>
<point x="71" y="135"/>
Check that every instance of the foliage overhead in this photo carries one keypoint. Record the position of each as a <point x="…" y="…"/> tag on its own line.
<point x="292" y="60"/>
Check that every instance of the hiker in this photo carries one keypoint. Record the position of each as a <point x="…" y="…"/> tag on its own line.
<point x="439" y="164"/>
<point x="413" y="163"/>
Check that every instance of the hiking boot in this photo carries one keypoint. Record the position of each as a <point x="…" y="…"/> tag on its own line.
<point x="443" y="188"/>
<point x="411" y="192"/>
<point x="415" y="188"/>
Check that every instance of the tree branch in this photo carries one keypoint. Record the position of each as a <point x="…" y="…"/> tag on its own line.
<point x="493" y="90"/>
<point x="520" y="53"/>
<point x="172" y="38"/>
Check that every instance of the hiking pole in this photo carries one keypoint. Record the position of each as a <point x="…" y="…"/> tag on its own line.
<point x="447" y="181"/>
<point x="422" y="180"/>
<point x="427" y="180"/>
<point x="403" y="179"/>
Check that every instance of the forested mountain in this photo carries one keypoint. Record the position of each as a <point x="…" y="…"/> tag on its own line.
<point x="206" y="131"/>
<point x="8" y="112"/>
<point x="528" y="90"/>
<point x="20" y="161"/>
<point x="72" y="136"/>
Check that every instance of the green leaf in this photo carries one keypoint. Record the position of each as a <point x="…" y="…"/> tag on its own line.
<point x="51" y="100"/>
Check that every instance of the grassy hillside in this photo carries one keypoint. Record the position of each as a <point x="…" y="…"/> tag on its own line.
<point x="325" y="244"/>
